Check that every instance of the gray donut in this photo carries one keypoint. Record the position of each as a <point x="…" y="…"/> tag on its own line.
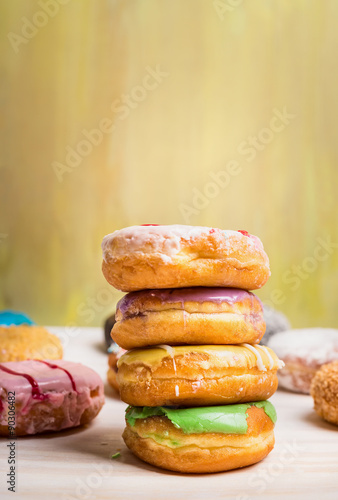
<point x="275" y="321"/>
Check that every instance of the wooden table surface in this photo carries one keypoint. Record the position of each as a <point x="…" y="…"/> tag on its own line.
<point x="77" y="464"/>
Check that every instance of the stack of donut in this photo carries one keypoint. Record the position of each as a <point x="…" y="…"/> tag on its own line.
<point x="194" y="377"/>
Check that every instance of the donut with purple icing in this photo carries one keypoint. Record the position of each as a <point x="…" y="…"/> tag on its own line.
<point x="41" y="396"/>
<point x="176" y="256"/>
<point x="190" y="316"/>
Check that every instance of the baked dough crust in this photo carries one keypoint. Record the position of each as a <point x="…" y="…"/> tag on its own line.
<point x="200" y="453"/>
<point x="324" y="390"/>
<point x="112" y="371"/>
<point x="112" y="379"/>
<point x="139" y="257"/>
<point x="19" y="343"/>
<point x="197" y="375"/>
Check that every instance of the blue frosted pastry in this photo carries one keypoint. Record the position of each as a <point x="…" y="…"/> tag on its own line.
<point x="14" y="318"/>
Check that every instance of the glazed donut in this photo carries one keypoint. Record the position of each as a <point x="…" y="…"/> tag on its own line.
<point x="209" y="439"/>
<point x="197" y="375"/>
<point x="324" y="390"/>
<point x="152" y="256"/>
<point x="188" y="316"/>
<point x="47" y="396"/>
<point x="113" y="358"/>
<point x="304" y="351"/>
<point x="19" y="343"/>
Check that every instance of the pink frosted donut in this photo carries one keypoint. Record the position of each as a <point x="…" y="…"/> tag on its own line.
<point x="303" y="351"/>
<point x="154" y="256"/>
<point x="39" y="396"/>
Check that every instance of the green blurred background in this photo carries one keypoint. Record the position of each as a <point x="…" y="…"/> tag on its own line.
<point x="115" y="113"/>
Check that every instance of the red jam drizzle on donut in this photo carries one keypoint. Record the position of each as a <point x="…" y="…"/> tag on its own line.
<point x="244" y="232"/>
<point x="53" y="366"/>
<point x="256" y="241"/>
<point x="36" y="393"/>
<point x="212" y="231"/>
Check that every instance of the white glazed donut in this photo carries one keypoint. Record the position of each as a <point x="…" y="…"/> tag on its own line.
<point x="303" y="351"/>
<point x="154" y="256"/>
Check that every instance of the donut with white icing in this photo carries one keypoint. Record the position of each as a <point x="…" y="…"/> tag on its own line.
<point x="198" y="375"/>
<point x="178" y="316"/>
<point x="159" y="256"/>
<point x="304" y="351"/>
<point x="47" y="396"/>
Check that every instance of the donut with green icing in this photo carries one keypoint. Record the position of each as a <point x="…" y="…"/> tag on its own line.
<point x="201" y="439"/>
<point x="229" y="419"/>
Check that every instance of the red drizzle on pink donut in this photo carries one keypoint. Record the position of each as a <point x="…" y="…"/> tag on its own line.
<point x="53" y="366"/>
<point x="36" y="393"/>
<point x="244" y="232"/>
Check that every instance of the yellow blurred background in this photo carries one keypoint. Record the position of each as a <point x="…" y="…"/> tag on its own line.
<point x="114" y="113"/>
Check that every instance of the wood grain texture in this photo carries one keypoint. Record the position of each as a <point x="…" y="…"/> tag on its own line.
<point x="225" y="76"/>
<point x="77" y="464"/>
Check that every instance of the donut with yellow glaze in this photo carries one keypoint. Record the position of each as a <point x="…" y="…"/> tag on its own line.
<point x="197" y="375"/>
